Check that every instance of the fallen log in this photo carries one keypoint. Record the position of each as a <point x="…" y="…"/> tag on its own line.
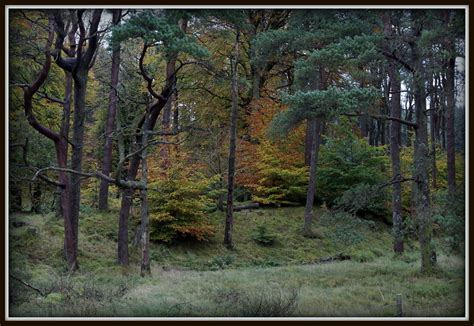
<point x="338" y="257"/>
<point x="246" y="206"/>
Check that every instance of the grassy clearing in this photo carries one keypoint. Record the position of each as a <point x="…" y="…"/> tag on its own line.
<point x="206" y="279"/>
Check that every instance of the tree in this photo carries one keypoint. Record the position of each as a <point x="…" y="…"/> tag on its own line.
<point x="449" y="88"/>
<point x="395" y="111"/>
<point x="79" y="67"/>
<point x="229" y="220"/>
<point x="60" y="142"/>
<point x="156" y="31"/>
<point x="111" y="116"/>
<point x="316" y="36"/>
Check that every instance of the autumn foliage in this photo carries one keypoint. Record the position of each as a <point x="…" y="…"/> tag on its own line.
<point x="273" y="171"/>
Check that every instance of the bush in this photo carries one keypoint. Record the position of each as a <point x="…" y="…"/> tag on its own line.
<point x="261" y="302"/>
<point x="269" y="303"/>
<point x="221" y="262"/>
<point x="179" y="205"/>
<point x="272" y="170"/>
<point x="263" y="236"/>
<point x="347" y="232"/>
<point x="363" y="198"/>
<point x="450" y="216"/>
<point x="347" y="162"/>
<point x="363" y="256"/>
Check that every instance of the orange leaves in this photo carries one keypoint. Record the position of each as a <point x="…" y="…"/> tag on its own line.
<point x="262" y="164"/>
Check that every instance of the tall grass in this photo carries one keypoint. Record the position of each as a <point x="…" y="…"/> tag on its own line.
<point x="190" y="280"/>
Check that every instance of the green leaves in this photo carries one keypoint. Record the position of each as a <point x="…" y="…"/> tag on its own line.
<point x="346" y="162"/>
<point x="322" y="103"/>
<point x="159" y="30"/>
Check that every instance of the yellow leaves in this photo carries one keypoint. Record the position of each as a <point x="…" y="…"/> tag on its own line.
<point x="199" y="232"/>
<point x="161" y="217"/>
<point x="180" y="199"/>
<point x="273" y="172"/>
<point x="258" y="152"/>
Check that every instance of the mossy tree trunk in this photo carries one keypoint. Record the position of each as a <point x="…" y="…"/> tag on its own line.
<point x="421" y="157"/>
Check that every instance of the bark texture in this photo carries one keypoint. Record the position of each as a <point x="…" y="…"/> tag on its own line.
<point x="395" y="129"/>
<point x="229" y="218"/>
<point x="450" y="102"/>
<point x="421" y="159"/>
<point x="395" y="111"/>
<point x="315" y="126"/>
<point x="111" y="117"/>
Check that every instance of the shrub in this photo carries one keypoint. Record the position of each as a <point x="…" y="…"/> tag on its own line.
<point x="262" y="235"/>
<point x="272" y="170"/>
<point x="268" y="303"/>
<point x="221" y="262"/>
<point x="180" y="197"/>
<point x="179" y="205"/>
<point x="279" y="184"/>
<point x="363" y="198"/>
<point x="450" y="216"/>
<point x="345" y="162"/>
<point x="347" y="232"/>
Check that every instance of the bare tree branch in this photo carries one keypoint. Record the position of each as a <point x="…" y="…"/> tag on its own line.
<point x="383" y="117"/>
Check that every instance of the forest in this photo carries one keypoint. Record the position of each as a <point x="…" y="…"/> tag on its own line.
<point x="250" y="162"/>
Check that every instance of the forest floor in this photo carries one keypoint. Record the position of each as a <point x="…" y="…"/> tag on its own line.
<point x="291" y="277"/>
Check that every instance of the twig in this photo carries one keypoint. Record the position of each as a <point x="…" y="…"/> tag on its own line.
<point x="43" y="294"/>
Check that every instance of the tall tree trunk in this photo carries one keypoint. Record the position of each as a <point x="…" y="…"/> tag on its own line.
<point x="79" y="68"/>
<point x="372" y="136"/>
<point x="80" y="87"/>
<point x="168" y="108"/>
<point x="127" y="194"/>
<point x="145" y="124"/>
<point x="309" y="136"/>
<point x="421" y="160"/>
<point x="395" y="111"/>
<point x="443" y="128"/>
<point x="409" y="117"/>
<point x="144" y="217"/>
<point x="60" y="142"/>
<point x="450" y="101"/>
<point x="232" y="147"/>
<point x="110" y="124"/>
<point x="315" y="125"/>
<point x="126" y="204"/>
<point x="62" y="145"/>
<point x="434" y="169"/>
<point x="166" y="122"/>
<point x="377" y="132"/>
<point x="364" y="130"/>
<point x="395" y="140"/>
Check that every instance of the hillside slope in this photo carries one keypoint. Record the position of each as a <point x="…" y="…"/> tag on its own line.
<point x="286" y="278"/>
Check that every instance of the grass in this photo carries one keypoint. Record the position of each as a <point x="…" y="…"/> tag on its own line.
<point x="206" y="279"/>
